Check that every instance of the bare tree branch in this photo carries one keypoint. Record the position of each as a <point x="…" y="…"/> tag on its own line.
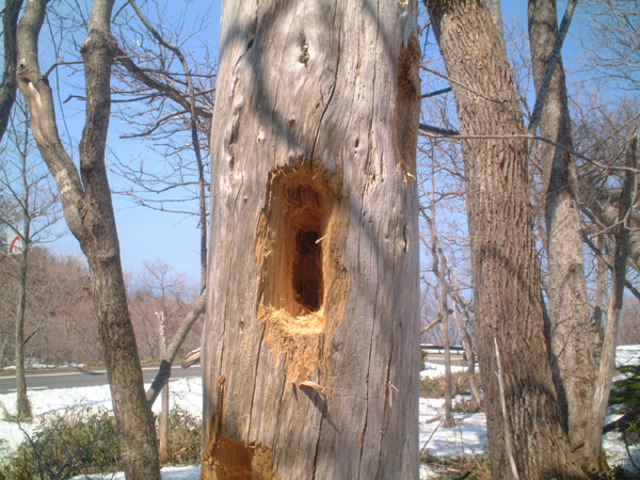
<point x="543" y="91"/>
<point x="164" y="373"/>
<point x="168" y="90"/>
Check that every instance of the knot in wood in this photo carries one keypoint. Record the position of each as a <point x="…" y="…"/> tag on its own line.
<point x="304" y="56"/>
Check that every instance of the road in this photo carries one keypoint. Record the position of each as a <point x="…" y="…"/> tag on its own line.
<point x="81" y="377"/>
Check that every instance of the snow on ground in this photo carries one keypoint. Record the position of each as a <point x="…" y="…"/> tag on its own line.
<point x="467" y="437"/>
<point x="168" y="473"/>
<point x="627" y="355"/>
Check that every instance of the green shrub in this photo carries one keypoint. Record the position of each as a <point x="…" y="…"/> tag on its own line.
<point x="185" y="437"/>
<point x="626" y="392"/>
<point x="65" y="445"/>
<point x="81" y="441"/>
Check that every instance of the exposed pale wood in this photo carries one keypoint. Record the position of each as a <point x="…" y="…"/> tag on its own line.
<point x="330" y="89"/>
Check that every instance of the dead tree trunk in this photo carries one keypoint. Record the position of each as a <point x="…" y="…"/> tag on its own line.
<point x="311" y="350"/>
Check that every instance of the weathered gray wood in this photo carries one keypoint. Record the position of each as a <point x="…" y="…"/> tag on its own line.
<point x="311" y="350"/>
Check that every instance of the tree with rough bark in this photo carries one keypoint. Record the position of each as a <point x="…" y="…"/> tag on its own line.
<point x="9" y="86"/>
<point x="570" y="329"/>
<point x="88" y="210"/>
<point x="525" y="423"/>
<point x="540" y="344"/>
<point x="311" y="350"/>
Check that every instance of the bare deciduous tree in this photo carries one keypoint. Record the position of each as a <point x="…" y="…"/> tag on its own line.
<point x="35" y="212"/>
<point x="512" y="345"/>
<point x="86" y="200"/>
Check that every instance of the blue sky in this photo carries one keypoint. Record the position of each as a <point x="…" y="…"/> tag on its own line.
<point x="147" y="235"/>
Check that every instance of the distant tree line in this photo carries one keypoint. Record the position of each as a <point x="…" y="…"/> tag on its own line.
<point x="61" y="324"/>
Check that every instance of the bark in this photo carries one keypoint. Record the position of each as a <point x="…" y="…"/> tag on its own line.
<point x="163" y="430"/>
<point x="23" y="405"/>
<point x="601" y="287"/>
<point x="311" y="345"/>
<point x="88" y="210"/>
<point x="9" y="82"/>
<point x="505" y="270"/>
<point x="444" y="308"/>
<point x="496" y="17"/>
<point x="570" y="317"/>
<point x="553" y="58"/>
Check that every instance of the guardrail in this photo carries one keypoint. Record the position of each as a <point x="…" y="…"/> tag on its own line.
<point x="455" y="349"/>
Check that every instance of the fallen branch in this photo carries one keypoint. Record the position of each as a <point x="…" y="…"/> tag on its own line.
<point x="622" y="422"/>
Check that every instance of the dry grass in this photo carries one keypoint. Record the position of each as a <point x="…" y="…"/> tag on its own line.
<point x="469" y="468"/>
<point x="434" y="387"/>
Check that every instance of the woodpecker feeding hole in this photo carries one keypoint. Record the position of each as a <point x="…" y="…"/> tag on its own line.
<point x="307" y="270"/>
<point x="295" y="242"/>
<point x="303" y="285"/>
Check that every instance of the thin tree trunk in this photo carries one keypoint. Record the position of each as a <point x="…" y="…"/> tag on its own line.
<point x="601" y="289"/>
<point x="471" y="359"/>
<point x="439" y="266"/>
<point x="164" y="372"/>
<point x="163" y="435"/>
<point x="570" y="328"/>
<point x="505" y="270"/>
<point x="628" y="198"/>
<point x="311" y="345"/>
<point x="23" y="405"/>
<point x="467" y="341"/>
<point x="444" y="307"/>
